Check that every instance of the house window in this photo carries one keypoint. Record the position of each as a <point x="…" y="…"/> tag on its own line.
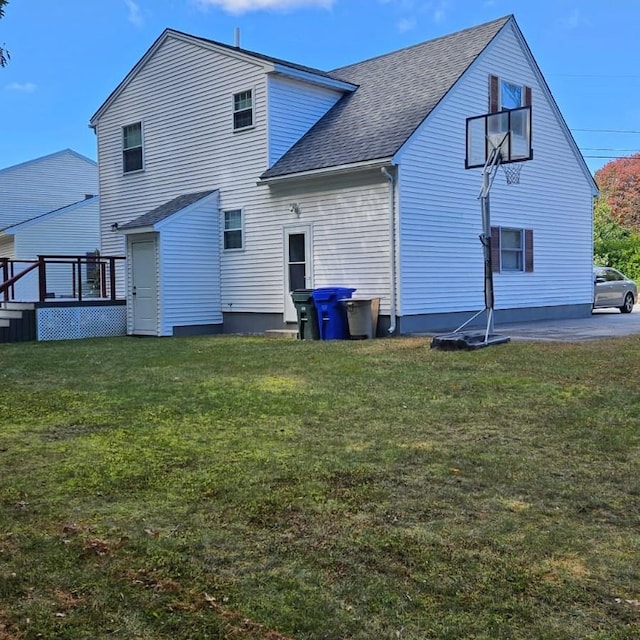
<point x="132" y="147"/>
<point x="511" y="250"/>
<point x="505" y="95"/>
<point x="233" y="229"/>
<point x="510" y="95"/>
<point x="242" y="110"/>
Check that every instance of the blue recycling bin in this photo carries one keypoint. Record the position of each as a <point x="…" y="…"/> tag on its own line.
<point x="332" y="315"/>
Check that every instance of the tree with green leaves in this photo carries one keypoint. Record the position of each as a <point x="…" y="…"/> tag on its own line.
<point x="4" y="54"/>
<point x="613" y="244"/>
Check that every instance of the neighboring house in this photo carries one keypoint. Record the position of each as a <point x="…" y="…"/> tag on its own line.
<point x="48" y="206"/>
<point x="230" y="178"/>
<point x="73" y="230"/>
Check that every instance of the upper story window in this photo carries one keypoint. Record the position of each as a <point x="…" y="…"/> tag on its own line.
<point x="510" y="95"/>
<point x="242" y="110"/>
<point x="233" y="229"/>
<point x="132" y="157"/>
<point x="507" y="95"/>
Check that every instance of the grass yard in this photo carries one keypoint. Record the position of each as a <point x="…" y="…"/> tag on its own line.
<point x="261" y="489"/>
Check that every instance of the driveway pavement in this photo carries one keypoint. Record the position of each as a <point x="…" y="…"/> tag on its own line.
<point x="603" y="323"/>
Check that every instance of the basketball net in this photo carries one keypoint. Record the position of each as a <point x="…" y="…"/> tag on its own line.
<point x="511" y="170"/>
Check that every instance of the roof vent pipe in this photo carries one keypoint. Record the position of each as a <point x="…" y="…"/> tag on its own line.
<point x="236" y="38"/>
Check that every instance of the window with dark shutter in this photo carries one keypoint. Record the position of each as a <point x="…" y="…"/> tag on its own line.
<point x="511" y="250"/>
<point x="505" y="95"/>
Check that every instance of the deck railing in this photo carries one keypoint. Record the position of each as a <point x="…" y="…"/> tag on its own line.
<point x="75" y="277"/>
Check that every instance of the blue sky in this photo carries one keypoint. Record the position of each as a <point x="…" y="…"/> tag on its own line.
<point x="68" y="55"/>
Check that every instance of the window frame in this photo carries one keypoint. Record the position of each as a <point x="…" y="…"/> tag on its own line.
<point x="508" y="251"/>
<point x="495" y="94"/>
<point x="526" y="251"/>
<point x="126" y="149"/>
<point x="506" y="83"/>
<point x="236" y="111"/>
<point x="226" y="230"/>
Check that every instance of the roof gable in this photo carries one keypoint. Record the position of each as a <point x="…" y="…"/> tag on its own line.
<point x="269" y="63"/>
<point x="165" y="211"/>
<point x="48" y="158"/>
<point x="396" y="92"/>
<point x="19" y="226"/>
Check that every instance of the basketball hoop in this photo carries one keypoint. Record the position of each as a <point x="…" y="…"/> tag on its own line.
<point x="512" y="172"/>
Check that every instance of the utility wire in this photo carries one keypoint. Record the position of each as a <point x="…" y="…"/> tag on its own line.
<point x="607" y="131"/>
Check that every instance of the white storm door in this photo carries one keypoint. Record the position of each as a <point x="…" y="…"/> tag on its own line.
<point x="144" y="288"/>
<point x="298" y="272"/>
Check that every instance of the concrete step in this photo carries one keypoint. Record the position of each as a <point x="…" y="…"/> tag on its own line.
<point x="18" y="306"/>
<point x="281" y="333"/>
<point x="10" y="314"/>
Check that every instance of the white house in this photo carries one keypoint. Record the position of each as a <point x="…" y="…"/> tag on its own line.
<point x="48" y="206"/>
<point x="230" y="178"/>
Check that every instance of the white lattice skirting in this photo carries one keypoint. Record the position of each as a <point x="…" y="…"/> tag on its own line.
<point x="71" y="323"/>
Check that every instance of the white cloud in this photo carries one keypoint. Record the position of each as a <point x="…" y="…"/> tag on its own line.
<point x="244" y="6"/>
<point x="135" y="15"/>
<point x="574" y="20"/>
<point x="406" y="24"/>
<point x="440" y="9"/>
<point x="24" y="87"/>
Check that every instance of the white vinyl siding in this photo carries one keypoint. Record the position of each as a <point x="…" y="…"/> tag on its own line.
<point x="183" y="83"/>
<point x="190" y="263"/>
<point x="294" y="107"/>
<point x="349" y="216"/>
<point x="45" y="184"/>
<point x="73" y="231"/>
<point x="441" y="259"/>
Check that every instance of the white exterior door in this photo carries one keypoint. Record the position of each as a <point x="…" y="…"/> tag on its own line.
<point x="144" y="288"/>
<point x="298" y="271"/>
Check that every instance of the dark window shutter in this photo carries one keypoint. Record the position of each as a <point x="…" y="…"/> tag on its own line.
<point x="528" y="250"/>
<point x="495" y="249"/>
<point x="494" y="94"/>
<point x="527" y="97"/>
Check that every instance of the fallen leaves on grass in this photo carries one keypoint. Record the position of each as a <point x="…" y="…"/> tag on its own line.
<point x="240" y="627"/>
<point x="98" y="547"/>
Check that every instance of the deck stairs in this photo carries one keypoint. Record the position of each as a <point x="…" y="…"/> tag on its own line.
<point x="17" y="322"/>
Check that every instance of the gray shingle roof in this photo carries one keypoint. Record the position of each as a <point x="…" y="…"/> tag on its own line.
<point x="396" y="92"/>
<point x="165" y="210"/>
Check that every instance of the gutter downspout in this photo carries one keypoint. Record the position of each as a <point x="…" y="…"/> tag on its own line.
<point x="392" y="247"/>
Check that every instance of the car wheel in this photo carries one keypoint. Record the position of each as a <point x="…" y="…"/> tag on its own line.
<point x="627" y="307"/>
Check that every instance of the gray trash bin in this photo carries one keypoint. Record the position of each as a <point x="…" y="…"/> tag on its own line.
<point x="362" y="316"/>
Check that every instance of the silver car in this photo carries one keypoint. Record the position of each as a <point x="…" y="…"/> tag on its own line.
<point x="613" y="289"/>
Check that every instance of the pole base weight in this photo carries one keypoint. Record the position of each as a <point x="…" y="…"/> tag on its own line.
<point x="468" y="340"/>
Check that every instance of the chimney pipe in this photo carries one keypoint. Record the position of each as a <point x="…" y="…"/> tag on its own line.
<point x="236" y="38"/>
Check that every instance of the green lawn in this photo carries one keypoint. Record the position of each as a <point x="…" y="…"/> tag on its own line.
<point x="250" y="488"/>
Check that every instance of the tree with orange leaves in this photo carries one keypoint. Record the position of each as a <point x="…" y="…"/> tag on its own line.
<point x="619" y="184"/>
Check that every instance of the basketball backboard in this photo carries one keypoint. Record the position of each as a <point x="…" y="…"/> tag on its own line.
<point x="509" y="130"/>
